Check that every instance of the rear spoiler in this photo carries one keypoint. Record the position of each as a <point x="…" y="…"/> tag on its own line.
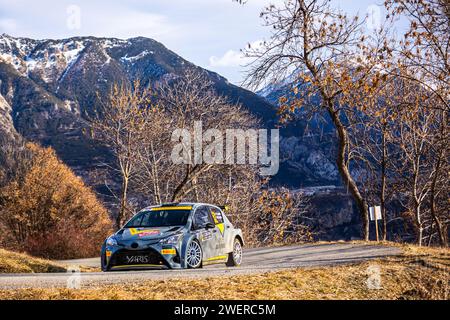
<point x="224" y="208"/>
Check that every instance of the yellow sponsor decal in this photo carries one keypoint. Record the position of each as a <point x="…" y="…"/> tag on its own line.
<point x="221" y="227"/>
<point x="217" y="258"/>
<point x="171" y="208"/>
<point x="213" y="213"/>
<point x="168" y="251"/>
<point x="216" y="222"/>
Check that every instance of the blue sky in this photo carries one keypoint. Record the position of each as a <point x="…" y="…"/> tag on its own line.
<point x="209" y="33"/>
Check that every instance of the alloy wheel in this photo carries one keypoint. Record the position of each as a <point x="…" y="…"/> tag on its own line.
<point x="237" y="252"/>
<point x="194" y="255"/>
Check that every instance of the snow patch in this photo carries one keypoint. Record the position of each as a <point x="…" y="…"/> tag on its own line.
<point x="135" y="58"/>
<point x="111" y="43"/>
<point x="72" y="55"/>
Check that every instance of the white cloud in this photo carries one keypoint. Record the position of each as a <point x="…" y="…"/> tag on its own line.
<point x="231" y="58"/>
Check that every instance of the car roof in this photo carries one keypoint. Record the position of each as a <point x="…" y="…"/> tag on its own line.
<point x="181" y="204"/>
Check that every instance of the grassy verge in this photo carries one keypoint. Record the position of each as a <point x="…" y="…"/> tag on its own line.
<point x="420" y="273"/>
<point x="13" y="262"/>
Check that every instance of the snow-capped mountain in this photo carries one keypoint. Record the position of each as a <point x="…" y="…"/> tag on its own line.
<point x="37" y="59"/>
<point x="50" y="85"/>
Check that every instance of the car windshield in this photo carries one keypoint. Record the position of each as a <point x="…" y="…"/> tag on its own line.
<point x="159" y="218"/>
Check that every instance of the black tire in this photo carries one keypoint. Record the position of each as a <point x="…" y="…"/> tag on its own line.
<point x="103" y="263"/>
<point x="235" y="257"/>
<point x="194" y="255"/>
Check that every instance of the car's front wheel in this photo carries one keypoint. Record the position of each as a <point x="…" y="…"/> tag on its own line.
<point x="194" y="255"/>
<point x="103" y="263"/>
<point x="235" y="257"/>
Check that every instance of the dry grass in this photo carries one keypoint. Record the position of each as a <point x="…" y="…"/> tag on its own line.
<point x="421" y="273"/>
<point x="12" y="262"/>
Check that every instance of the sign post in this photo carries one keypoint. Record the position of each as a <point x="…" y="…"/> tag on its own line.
<point x="375" y="215"/>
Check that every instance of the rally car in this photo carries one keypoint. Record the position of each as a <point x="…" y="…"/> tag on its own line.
<point x="173" y="236"/>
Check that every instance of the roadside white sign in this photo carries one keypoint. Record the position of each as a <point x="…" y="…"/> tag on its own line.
<point x="375" y="212"/>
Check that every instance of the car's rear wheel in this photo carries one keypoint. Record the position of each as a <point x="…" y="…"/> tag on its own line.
<point x="194" y="255"/>
<point x="235" y="257"/>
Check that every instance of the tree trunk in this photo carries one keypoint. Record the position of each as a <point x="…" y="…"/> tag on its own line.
<point x="123" y="203"/>
<point x="345" y="173"/>
<point x="177" y="191"/>
<point x="440" y="228"/>
<point x="383" y="186"/>
<point x="156" y="182"/>
<point x="442" y="232"/>
<point x="419" y="224"/>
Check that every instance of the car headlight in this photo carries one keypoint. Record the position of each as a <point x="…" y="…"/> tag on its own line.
<point x="111" y="241"/>
<point x="172" y="239"/>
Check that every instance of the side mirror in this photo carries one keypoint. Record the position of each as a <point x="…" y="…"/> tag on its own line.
<point x="209" y="225"/>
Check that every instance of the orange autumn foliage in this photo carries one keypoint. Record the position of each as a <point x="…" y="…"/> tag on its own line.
<point x="48" y="211"/>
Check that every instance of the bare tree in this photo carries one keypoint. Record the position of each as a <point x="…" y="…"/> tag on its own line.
<point x="119" y="125"/>
<point x="440" y="148"/>
<point x="424" y="52"/>
<point x="423" y="62"/>
<point x="400" y="139"/>
<point x="399" y="135"/>
<point x="416" y="159"/>
<point x="181" y="103"/>
<point x="371" y="152"/>
<point x="329" y="56"/>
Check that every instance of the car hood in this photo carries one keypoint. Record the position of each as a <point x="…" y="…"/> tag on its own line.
<point x="128" y="234"/>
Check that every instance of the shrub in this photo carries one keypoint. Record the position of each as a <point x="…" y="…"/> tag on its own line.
<point x="276" y="217"/>
<point x="49" y="212"/>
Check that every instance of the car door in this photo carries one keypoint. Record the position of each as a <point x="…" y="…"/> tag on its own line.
<point x="206" y="237"/>
<point x="220" y="231"/>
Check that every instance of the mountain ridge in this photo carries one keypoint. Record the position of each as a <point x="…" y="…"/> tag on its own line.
<point x="52" y="85"/>
<point x="64" y="76"/>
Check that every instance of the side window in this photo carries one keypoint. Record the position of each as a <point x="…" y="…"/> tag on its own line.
<point x="216" y="215"/>
<point x="201" y="217"/>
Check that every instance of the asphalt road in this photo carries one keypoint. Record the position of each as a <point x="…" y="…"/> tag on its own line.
<point x="254" y="261"/>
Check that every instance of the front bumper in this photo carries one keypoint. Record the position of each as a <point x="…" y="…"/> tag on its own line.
<point x="144" y="256"/>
